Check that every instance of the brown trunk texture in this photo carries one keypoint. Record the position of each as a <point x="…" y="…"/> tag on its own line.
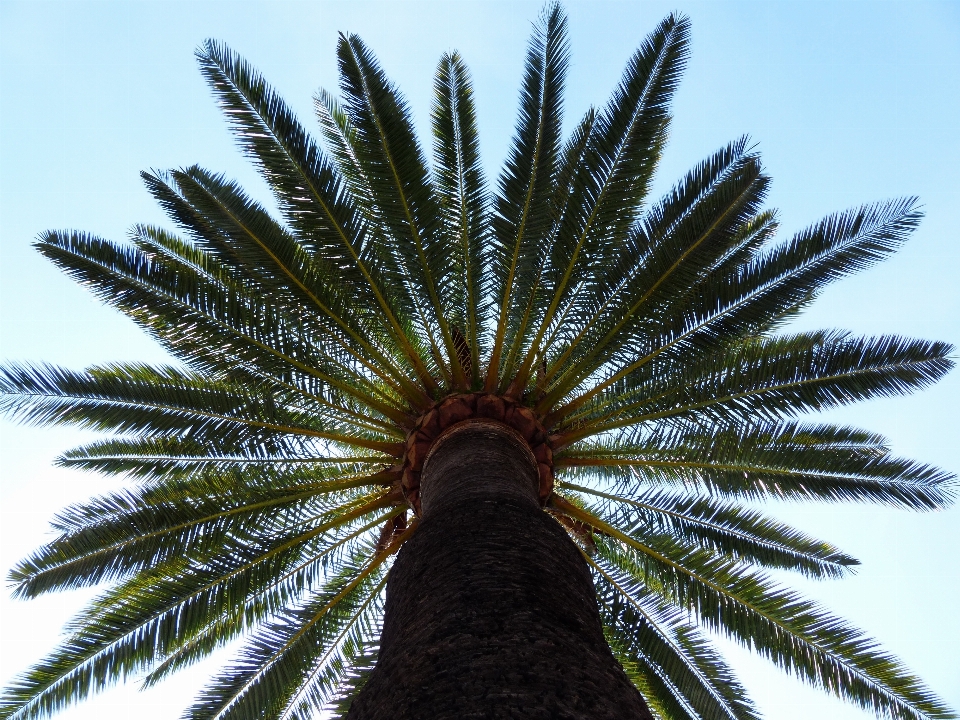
<point x="490" y="608"/>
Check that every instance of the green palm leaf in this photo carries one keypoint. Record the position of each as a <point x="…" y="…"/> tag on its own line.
<point x="162" y="458"/>
<point x="522" y="217"/>
<point x="408" y="206"/>
<point x="271" y="671"/>
<point x="462" y="193"/>
<point x="614" y="172"/>
<point x="728" y="530"/>
<point x="665" y="651"/>
<point x="763" y="461"/>
<point x="790" y="631"/>
<point x="770" y="378"/>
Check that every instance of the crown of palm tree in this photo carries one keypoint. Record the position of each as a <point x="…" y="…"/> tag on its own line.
<point x="638" y="347"/>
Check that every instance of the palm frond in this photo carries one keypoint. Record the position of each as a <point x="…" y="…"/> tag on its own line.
<point x="146" y="401"/>
<point x="762" y="461"/>
<point x="673" y="246"/>
<point x="292" y="163"/>
<point x="691" y="680"/>
<point x="614" y="173"/>
<point x="164" y="458"/>
<point x="396" y="170"/>
<point x="771" y="378"/>
<point x="463" y="197"/>
<point x="522" y="207"/>
<point x="791" y="632"/>
<point x="271" y="669"/>
<point x="727" y="530"/>
<point x="114" y="536"/>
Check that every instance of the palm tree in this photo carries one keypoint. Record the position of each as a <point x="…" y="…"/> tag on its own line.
<point x="546" y="410"/>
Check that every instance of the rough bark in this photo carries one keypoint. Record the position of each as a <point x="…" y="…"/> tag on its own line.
<point x="490" y="609"/>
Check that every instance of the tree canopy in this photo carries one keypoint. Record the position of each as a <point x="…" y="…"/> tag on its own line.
<point x="641" y="346"/>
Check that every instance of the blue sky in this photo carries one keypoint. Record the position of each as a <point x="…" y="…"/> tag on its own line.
<point x="848" y="102"/>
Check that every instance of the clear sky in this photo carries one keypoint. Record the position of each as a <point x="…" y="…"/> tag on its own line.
<point x="849" y="102"/>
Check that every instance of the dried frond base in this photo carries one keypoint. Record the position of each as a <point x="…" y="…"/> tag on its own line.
<point x="462" y="408"/>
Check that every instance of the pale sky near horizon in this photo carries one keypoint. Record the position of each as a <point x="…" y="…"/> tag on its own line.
<point x="848" y="102"/>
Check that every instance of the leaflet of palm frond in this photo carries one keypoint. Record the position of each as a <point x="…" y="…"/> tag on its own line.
<point x="238" y="233"/>
<point x="151" y="288"/>
<point x="661" y="639"/>
<point x="662" y="703"/>
<point x="753" y="235"/>
<point x="154" y="241"/>
<point x="761" y="461"/>
<point x="145" y="401"/>
<point x="117" y="634"/>
<point x="243" y="235"/>
<point x="810" y="370"/>
<point x="158" y="254"/>
<point x="522" y="215"/>
<point x="613" y="175"/>
<point x="273" y="665"/>
<point x="291" y="163"/>
<point x="162" y="614"/>
<point x="774" y="377"/>
<point x="386" y="150"/>
<point x="340" y="137"/>
<point x="157" y="459"/>
<point x="725" y="529"/>
<point x="680" y="310"/>
<point x="791" y="632"/>
<point x="225" y="493"/>
<point x="393" y="162"/>
<point x="801" y="358"/>
<point x="461" y="187"/>
<point x="119" y="537"/>
<point x="694" y="226"/>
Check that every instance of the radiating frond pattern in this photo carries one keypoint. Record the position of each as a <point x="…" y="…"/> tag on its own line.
<point x="638" y="344"/>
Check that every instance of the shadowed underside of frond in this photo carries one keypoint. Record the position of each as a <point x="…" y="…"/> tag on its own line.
<point x="636" y="346"/>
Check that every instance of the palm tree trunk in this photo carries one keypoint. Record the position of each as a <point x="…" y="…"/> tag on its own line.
<point x="490" y="608"/>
